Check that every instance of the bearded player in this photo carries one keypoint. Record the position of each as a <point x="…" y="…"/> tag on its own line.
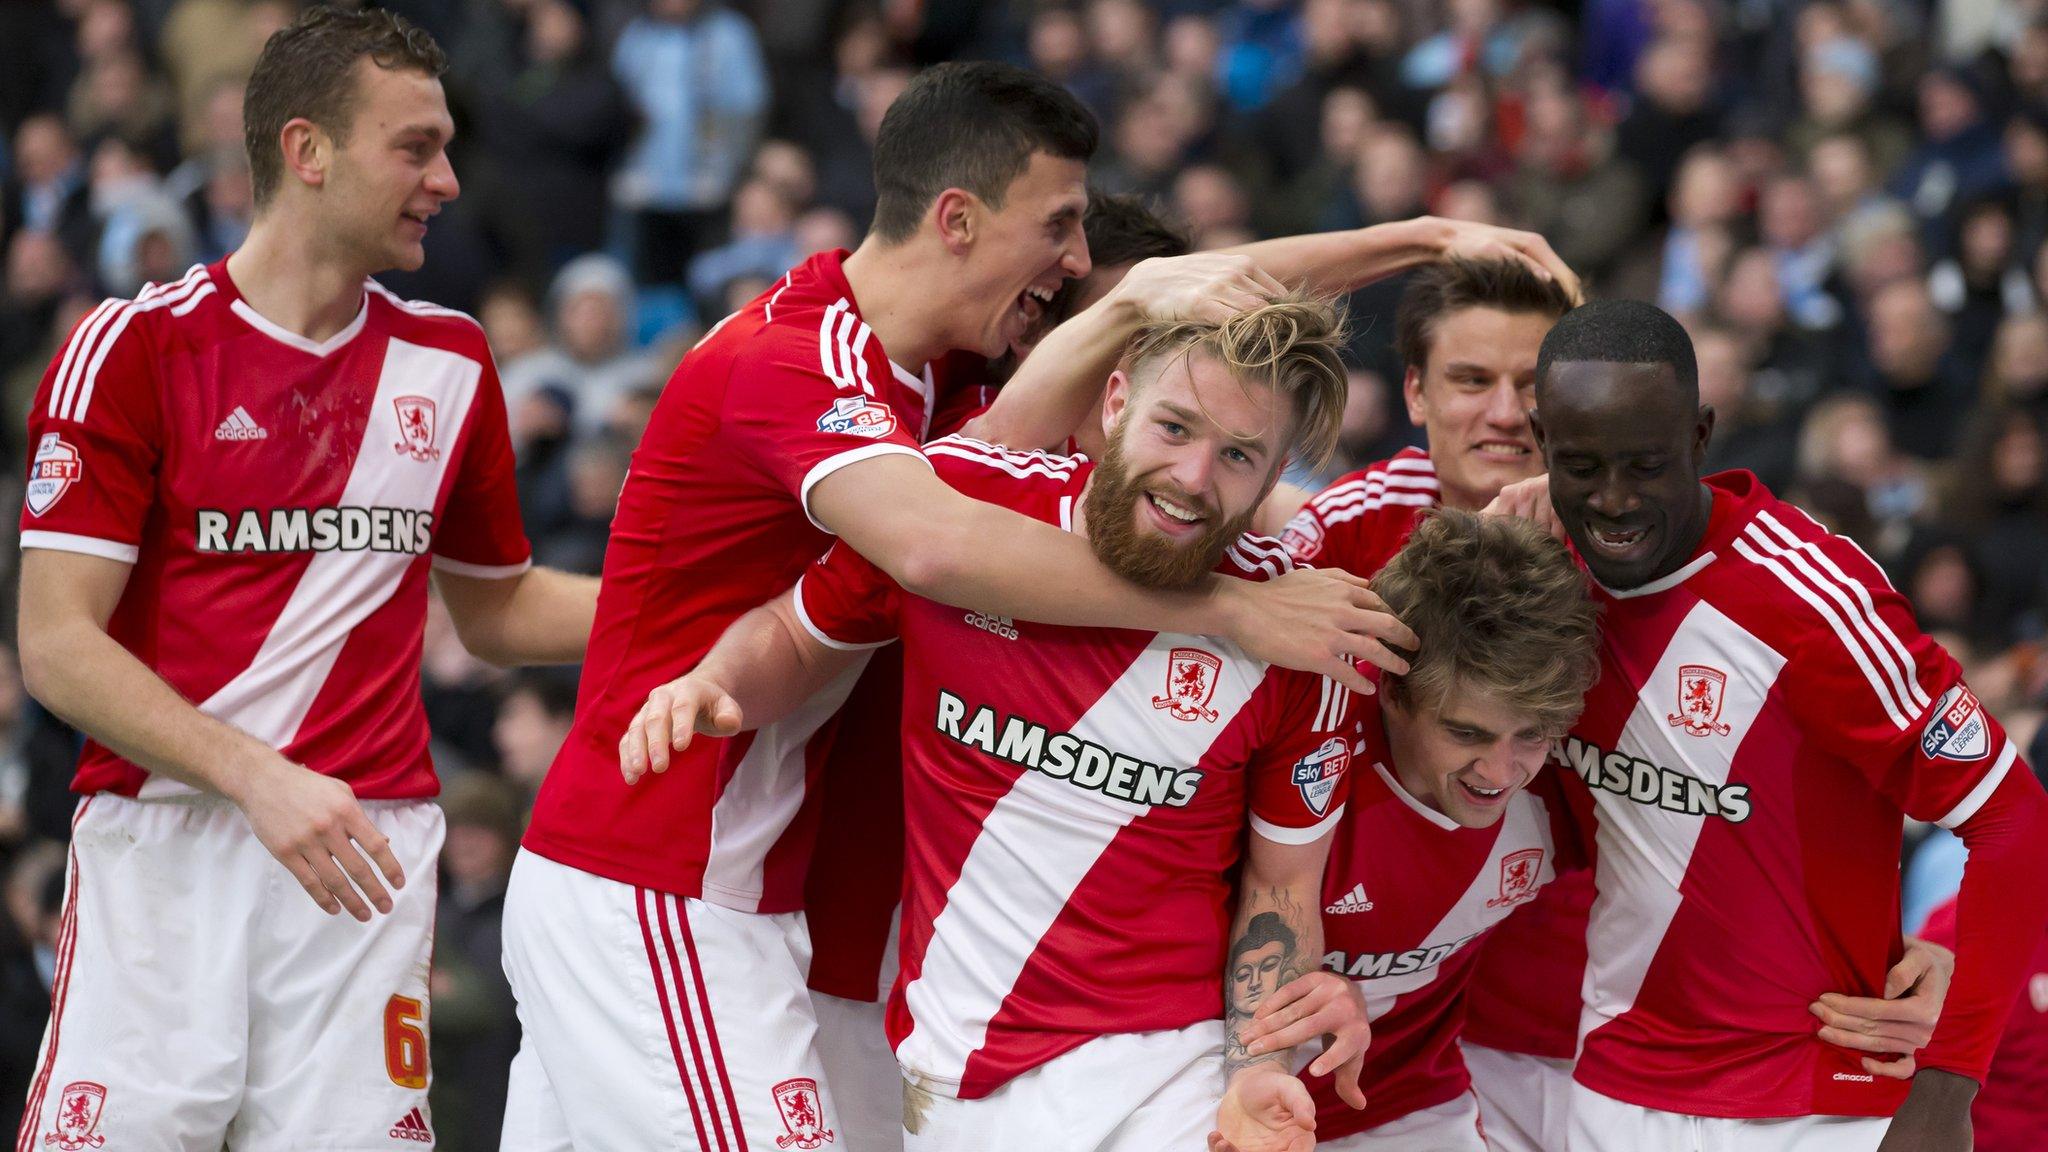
<point x="654" y="934"/>
<point x="1077" y="797"/>
<point x="1766" y="716"/>
<point x="241" y="482"/>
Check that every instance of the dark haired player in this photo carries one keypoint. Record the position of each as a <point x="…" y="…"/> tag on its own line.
<point x="240" y="482"/>
<point x="1766" y="714"/>
<point x="653" y="933"/>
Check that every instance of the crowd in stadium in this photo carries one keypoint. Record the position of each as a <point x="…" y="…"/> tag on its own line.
<point x="1846" y="203"/>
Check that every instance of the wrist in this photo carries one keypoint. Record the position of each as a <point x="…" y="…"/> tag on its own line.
<point x="1941" y="1087"/>
<point x="245" y="772"/>
<point x="1226" y="611"/>
<point x="1417" y="241"/>
<point x="1272" y="1064"/>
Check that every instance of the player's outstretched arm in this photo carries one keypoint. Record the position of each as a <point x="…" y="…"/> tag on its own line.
<point x="951" y="548"/>
<point x="1330" y="262"/>
<point x="1057" y="386"/>
<point x="1276" y="938"/>
<point x="763" y="667"/>
<point x="311" y="823"/>
<point x="540" y="616"/>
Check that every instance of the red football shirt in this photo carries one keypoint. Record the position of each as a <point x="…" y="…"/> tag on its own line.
<point x="1408" y="896"/>
<point x="1077" y="799"/>
<point x="281" y="502"/>
<point x="2010" y="1113"/>
<point x="1763" y="718"/>
<point x="713" y="521"/>
<point x="1363" y="518"/>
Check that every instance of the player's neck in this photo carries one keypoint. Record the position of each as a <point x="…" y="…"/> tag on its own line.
<point x="294" y="281"/>
<point x="1399" y="752"/>
<point x="901" y="298"/>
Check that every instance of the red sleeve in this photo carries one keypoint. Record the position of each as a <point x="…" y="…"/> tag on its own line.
<point x="798" y="424"/>
<point x="1892" y="702"/>
<point x="94" y="435"/>
<point x="845" y="602"/>
<point x="480" y="532"/>
<point x="2000" y="914"/>
<point x="1299" y="780"/>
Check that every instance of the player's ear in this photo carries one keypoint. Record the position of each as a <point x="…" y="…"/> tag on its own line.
<point x="308" y="150"/>
<point x="1411" y="394"/>
<point x="1703" y="434"/>
<point x="957" y="215"/>
<point x="1536" y="427"/>
<point x="1115" y="396"/>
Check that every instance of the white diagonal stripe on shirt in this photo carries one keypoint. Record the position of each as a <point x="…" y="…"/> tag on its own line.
<point x="1035" y="848"/>
<point x="338" y="590"/>
<point x="1644" y="850"/>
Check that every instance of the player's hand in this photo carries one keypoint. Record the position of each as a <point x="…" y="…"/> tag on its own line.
<point x="317" y="830"/>
<point x="1320" y="1003"/>
<point x="1935" y="1116"/>
<point x="674" y="714"/>
<point x="1462" y="238"/>
<point x="1529" y="499"/>
<point x="1902" y="1021"/>
<point x="1210" y="286"/>
<point x="1265" y="1109"/>
<point x="1317" y="620"/>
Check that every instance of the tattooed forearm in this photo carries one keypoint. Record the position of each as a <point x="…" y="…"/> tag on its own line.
<point x="1275" y="937"/>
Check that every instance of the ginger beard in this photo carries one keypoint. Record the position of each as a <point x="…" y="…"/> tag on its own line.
<point x="1138" y="554"/>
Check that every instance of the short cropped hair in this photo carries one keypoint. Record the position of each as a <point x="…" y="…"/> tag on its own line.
<point x="972" y="126"/>
<point x="1497" y="606"/>
<point x="1121" y="230"/>
<point x="307" y="70"/>
<point x="1455" y="284"/>
<point x="1622" y="332"/>
<point x="1293" y="343"/>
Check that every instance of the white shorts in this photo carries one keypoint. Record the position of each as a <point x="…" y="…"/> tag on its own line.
<point x="1604" y="1124"/>
<point x="1525" y="1100"/>
<point x="656" y="1021"/>
<point x="1452" y="1126"/>
<point x="1138" y="1092"/>
<point x="203" y="999"/>
<point x="853" y="1045"/>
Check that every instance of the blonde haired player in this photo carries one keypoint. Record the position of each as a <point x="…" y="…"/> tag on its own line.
<point x="1078" y="797"/>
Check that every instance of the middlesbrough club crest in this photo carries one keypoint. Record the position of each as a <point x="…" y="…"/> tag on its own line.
<point x="1518" y="872"/>
<point x="1190" y="683"/>
<point x="78" y="1117"/>
<point x="1700" y="689"/>
<point x="416" y="428"/>
<point x="803" y="1117"/>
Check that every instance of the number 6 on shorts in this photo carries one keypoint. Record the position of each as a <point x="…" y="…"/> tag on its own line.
<point x="405" y="1045"/>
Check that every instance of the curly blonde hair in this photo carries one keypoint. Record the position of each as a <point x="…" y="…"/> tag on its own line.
<point x="1498" y="606"/>
<point x="1293" y="344"/>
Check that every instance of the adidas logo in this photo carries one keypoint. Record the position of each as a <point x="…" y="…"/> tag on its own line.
<point x="240" y="426"/>
<point x="411" y="1126"/>
<point x="1352" y="901"/>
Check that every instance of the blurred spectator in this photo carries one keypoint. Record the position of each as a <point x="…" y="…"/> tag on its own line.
<point x="551" y="128"/>
<point x="1569" y="185"/>
<point x="1838" y="82"/>
<point x="695" y="70"/>
<point x="1923" y="386"/>
<point x="1845" y="441"/>
<point x="46" y="191"/>
<point x="1790" y="220"/>
<point x="2026" y="171"/>
<point x="1999" y="502"/>
<point x="1959" y="155"/>
<point x="590" y="355"/>
<point x="532" y="724"/>
<point x="1672" y="111"/>
<point x="1213" y="206"/>
<point x="1705" y="204"/>
<point x="763" y="246"/>
<point x="460" y="693"/>
<point x="206" y="44"/>
<point x="575" y="542"/>
<point x="1749" y="431"/>
<point x="476" y="1031"/>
